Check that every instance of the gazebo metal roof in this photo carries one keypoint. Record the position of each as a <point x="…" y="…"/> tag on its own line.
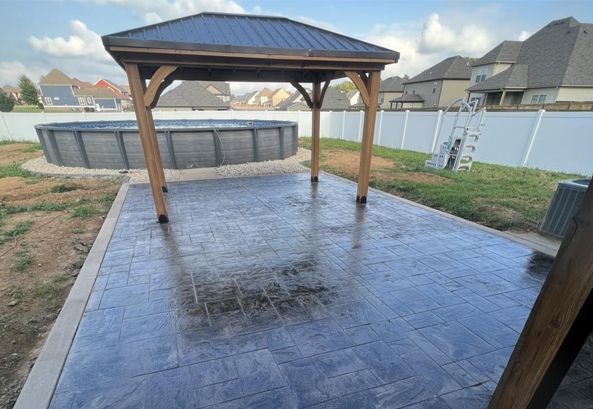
<point x="246" y="48"/>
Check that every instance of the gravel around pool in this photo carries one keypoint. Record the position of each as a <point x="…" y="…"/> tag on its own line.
<point x="272" y="167"/>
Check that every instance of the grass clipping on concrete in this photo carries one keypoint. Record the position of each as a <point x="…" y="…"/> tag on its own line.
<point x="47" y="227"/>
<point x="501" y="197"/>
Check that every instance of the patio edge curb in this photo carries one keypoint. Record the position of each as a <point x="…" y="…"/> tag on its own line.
<point x="527" y="243"/>
<point x="40" y="385"/>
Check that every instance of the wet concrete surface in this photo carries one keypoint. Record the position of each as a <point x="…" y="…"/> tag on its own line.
<point x="271" y="292"/>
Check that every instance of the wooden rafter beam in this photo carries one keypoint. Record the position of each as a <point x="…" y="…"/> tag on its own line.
<point x="155" y="83"/>
<point x="360" y="85"/>
<point x="166" y="82"/>
<point x="304" y="93"/>
<point x="322" y="95"/>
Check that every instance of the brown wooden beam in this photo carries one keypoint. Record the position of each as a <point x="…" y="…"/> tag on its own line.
<point x="303" y="92"/>
<point x="558" y="325"/>
<point x="315" y="130"/>
<point x="360" y="85"/>
<point x="145" y="129"/>
<point x="370" y="113"/>
<point x="155" y="83"/>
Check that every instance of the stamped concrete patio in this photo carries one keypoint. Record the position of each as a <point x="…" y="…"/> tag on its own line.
<point x="272" y="292"/>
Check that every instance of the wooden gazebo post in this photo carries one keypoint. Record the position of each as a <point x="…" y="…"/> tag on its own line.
<point x="368" y="86"/>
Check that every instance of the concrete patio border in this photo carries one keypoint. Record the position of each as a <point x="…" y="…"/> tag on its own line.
<point x="39" y="387"/>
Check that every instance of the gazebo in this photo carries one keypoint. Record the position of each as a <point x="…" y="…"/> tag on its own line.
<point x="231" y="47"/>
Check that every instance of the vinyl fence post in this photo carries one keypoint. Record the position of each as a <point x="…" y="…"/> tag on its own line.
<point x="405" y="128"/>
<point x="299" y="122"/>
<point x="436" y="130"/>
<point x="360" y="126"/>
<point x="380" y="127"/>
<point x="531" y="140"/>
<point x="343" y="123"/>
<point x="5" y="126"/>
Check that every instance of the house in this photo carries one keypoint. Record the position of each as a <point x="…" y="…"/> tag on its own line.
<point x="60" y="92"/>
<point x="219" y="89"/>
<point x="263" y="97"/>
<point x="192" y="96"/>
<point x="354" y="97"/>
<point x="391" y="88"/>
<point x="438" y="86"/>
<point x="553" y="65"/>
<point x="334" y="100"/>
<point x="13" y="93"/>
<point x="126" y="100"/>
<point x="278" y="96"/>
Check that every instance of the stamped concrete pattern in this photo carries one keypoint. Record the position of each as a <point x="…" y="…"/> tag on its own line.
<point x="272" y="292"/>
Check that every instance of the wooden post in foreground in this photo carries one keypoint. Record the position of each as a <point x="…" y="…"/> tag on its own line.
<point x="369" y="93"/>
<point x="315" y="129"/>
<point x="559" y="323"/>
<point x="146" y="130"/>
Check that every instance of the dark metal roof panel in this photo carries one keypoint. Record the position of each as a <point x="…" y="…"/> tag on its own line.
<point x="246" y="33"/>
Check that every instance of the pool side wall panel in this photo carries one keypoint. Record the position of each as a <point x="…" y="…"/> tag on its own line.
<point x="180" y="148"/>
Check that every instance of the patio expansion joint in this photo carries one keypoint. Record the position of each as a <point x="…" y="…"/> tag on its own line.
<point x="39" y="387"/>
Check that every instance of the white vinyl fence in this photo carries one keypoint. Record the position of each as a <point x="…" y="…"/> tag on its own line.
<point x="557" y="141"/>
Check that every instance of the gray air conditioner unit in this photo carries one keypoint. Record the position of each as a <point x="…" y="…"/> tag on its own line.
<point x="565" y="203"/>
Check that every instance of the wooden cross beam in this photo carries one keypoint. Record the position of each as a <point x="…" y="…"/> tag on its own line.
<point x="558" y="325"/>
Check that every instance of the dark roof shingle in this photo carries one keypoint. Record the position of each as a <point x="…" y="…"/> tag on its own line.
<point x="190" y="94"/>
<point x="452" y="68"/>
<point x="507" y="51"/>
<point x="392" y="84"/>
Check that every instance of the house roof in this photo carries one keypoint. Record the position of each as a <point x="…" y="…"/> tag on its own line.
<point x="408" y="98"/>
<point x="452" y="68"/>
<point x="241" y="33"/>
<point x="191" y="94"/>
<point x="97" y="93"/>
<point x="392" y="84"/>
<point x="295" y="97"/>
<point x="513" y="77"/>
<point x="559" y="54"/>
<point x="245" y="97"/>
<point x="223" y="87"/>
<point x="55" y="77"/>
<point x="507" y="51"/>
<point x="265" y="92"/>
<point x="334" y="100"/>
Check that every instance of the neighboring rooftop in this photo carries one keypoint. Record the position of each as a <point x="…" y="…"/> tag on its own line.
<point x="191" y="94"/>
<point x="505" y="52"/>
<point x="560" y="54"/>
<point x="392" y="84"/>
<point x="452" y="68"/>
<point x="408" y="98"/>
<point x="55" y="77"/>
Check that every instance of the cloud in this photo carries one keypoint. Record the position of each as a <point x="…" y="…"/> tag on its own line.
<point x="10" y="71"/>
<point x="82" y="42"/>
<point x="523" y="35"/>
<point x="436" y="37"/>
<point x="153" y="11"/>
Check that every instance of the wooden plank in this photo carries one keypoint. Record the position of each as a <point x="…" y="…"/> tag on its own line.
<point x="144" y="129"/>
<point x="171" y="51"/>
<point x="155" y="83"/>
<point x="304" y="93"/>
<point x="558" y="325"/>
<point x="156" y="151"/>
<point x="370" y="114"/>
<point x="360" y="85"/>
<point x="315" y="130"/>
<point x="323" y="91"/>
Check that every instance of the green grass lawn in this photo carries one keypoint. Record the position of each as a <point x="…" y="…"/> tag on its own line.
<point x="501" y="197"/>
<point x="26" y="108"/>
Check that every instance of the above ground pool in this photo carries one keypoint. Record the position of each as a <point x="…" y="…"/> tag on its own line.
<point x="184" y="143"/>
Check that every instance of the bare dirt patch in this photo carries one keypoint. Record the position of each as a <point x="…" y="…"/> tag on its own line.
<point x="41" y="253"/>
<point x="17" y="152"/>
<point x="346" y="163"/>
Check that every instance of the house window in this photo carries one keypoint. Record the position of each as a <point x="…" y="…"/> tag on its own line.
<point x="89" y="100"/>
<point x="48" y="101"/>
<point x="81" y="100"/>
<point x="480" y="78"/>
<point x="434" y="90"/>
<point x="538" y="99"/>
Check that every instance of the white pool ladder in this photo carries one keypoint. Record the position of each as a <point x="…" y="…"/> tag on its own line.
<point x="457" y="153"/>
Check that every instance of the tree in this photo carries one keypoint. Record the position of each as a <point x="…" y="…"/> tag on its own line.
<point x="6" y="103"/>
<point x="345" y="86"/>
<point x="28" y="91"/>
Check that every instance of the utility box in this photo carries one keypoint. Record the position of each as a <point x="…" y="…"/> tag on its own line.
<point x="565" y="203"/>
